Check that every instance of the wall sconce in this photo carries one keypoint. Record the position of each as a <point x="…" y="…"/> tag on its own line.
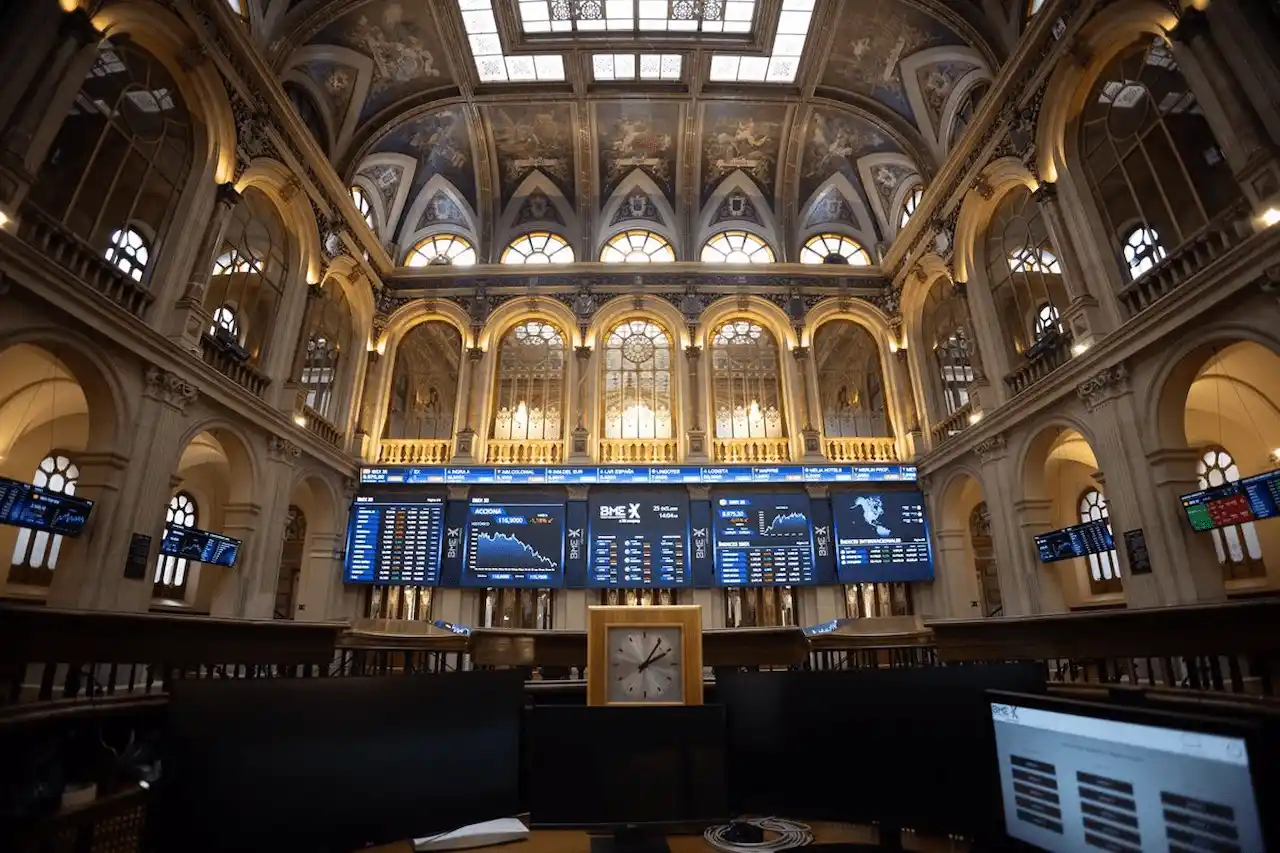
<point x="5" y="219"/>
<point x="1275" y="456"/>
<point x="1269" y="217"/>
<point x="300" y="419"/>
<point x="1079" y="349"/>
<point x="974" y="417"/>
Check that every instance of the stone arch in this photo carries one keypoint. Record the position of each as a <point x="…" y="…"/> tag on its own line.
<point x="863" y="229"/>
<point x="277" y="182"/>
<point x="637" y="180"/>
<point x="887" y="212"/>
<point x="1002" y="176"/>
<point x="871" y="319"/>
<point x="508" y="229"/>
<point x="751" y="307"/>
<point x="652" y="308"/>
<point x="936" y="137"/>
<point x="411" y="234"/>
<point x="243" y="464"/>
<point x="341" y="127"/>
<point x="1033" y="454"/>
<point x="766" y="228"/>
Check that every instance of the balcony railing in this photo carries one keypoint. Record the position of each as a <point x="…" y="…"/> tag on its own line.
<point x="231" y="365"/>
<point x="318" y="426"/>
<point x="629" y="450"/>
<point x="1223" y="233"/>
<point x="524" y="452"/>
<point x="52" y="240"/>
<point x="956" y="422"/>
<point x="1045" y="356"/>
<point x="750" y="450"/>
<point x="883" y="449"/>
<point x="415" y="451"/>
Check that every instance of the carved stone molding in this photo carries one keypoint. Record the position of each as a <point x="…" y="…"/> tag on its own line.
<point x="800" y="354"/>
<point x="693" y="352"/>
<point x="350" y="485"/>
<point x="170" y="389"/>
<point x="983" y="187"/>
<point x="282" y="450"/>
<point x="1104" y="386"/>
<point x="991" y="449"/>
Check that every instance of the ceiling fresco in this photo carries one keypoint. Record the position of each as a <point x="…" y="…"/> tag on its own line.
<point x="640" y="135"/>
<point x="835" y="142"/>
<point x="741" y="137"/>
<point x="441" y="144"/>
<point x="537" y="137"/>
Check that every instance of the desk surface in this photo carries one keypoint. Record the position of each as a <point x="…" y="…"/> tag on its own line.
<point x="576" y="841"/>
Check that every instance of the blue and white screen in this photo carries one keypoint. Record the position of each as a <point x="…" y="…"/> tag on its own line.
<point x="514" y="544"/>
<point x="639" y="538"/>
<point x="395" y="542"/>
<point x="1072" y="783"/>
<point x="881" y="536"/>
<point x="762" y="540"/>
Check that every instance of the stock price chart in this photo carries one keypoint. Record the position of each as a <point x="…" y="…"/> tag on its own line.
<point x="514" y="544"/>
<point x="393" y="542"/>
<point x="762" y="540"/>
<point x="639" y="539"/>
<point x="881" y="536"/>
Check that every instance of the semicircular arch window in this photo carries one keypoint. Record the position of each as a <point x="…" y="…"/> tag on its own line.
<point x="362" y="204"/>
<point x="637" y="247"/>
<point x="834" y="249"/>
<point x="441" y="250"/>
<point x="736" y="247"/>
<point x="538" y="247"/>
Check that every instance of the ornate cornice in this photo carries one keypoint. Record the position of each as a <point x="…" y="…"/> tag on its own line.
<point x="283" y="450"/>
<point x="1104" y="386"/>
<point x="991" y="448"/>
<point x="170" y="389"/>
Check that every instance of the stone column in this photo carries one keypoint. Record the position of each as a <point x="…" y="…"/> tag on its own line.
<point x="956" y="581"/>
<point x="1195" y="568"/>
<point x="1042" y="583"/>
<point x="464" y="444"/>
<point x="294" y="397"/>
<point x="1082" y="315"/>
<point x="578" y="448"/>
<point x="1018" y="567"/>
<point x="321" y="573"/>
<point x="1247" y="37"/>
<point x="39" y="114"/>
<point x="80" y="573"/>
<point x="190" y="318"/>
<point x="261" y="570"/>
<point x="807" y="400"/>
<point x="697" y="435"/>
<point x="1235" y="125"/>
<point x="981" y="393"/>
<point x="235" y="586"/>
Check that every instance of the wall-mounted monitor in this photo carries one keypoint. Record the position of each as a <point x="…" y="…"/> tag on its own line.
<point x="200" y="546"/>
<point x="513" y="543"/>
<point x="25" y="505"/>
<point x="395" y="542"/>
<point x="638" y="538"/>
<point x="762" y="539"/>
<point x="1079" y="540"/>
<point x="1249" y="499"/>
<point x="881" y="537"/>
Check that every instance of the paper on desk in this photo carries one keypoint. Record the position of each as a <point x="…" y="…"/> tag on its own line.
<point x="490" y="832"/>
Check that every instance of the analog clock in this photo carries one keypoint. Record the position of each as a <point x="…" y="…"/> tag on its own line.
<point x="644" y="655"/>
<point x="644" y="664"/>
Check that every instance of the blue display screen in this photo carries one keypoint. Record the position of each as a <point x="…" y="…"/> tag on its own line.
<point x="762" y="540"/>
<point x="415" y="475"/>
<point x="395" y="542"/>
<point x="200" y="545"/>
<point x="881" y="537"/>
<point x="1079" y="540"/>
<point x="25" y="505"/>
<point x="514" y="544"/>
<point x="639" y="539"/>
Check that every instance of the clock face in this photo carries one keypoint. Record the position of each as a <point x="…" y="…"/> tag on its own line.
<point x="645" y="664"/>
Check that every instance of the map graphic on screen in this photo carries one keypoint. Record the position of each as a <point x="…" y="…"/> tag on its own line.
<point x="881" y="536"/>
<point x="514" y="544"/>
<point x="762" y="540"/>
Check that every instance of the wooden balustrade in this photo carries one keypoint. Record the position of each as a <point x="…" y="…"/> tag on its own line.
<point x="881" y="449"/>
<point x="1046" y="355"/>
<point x="232" y="366"/>
<point x="1222" y="234"/>
<point x="415" y="451"/>
<point x="527" y="452"/>
<point x="751" y="450"/>
<point x="631" y="450"/>
<point x="956" y="423"/>
<point x="55" y="243"/>
<point x="321" y="428"/>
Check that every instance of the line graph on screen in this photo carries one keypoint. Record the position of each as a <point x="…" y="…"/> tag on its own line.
<point x="501" y="550"/>
<point x="784" y="524"/>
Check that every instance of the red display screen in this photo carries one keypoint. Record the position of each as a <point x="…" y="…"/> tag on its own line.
<point x="1233" y="509"/>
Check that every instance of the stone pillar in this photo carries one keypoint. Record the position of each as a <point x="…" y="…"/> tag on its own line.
<point x="79" y="575"/>
<point x="234" y="588"/>
<point x="1235" y="125"/>
<point x="321" y="573"/>
<point x="956" y="594"/>
<point x="697" y="434"/>
<point x="578" y="447"/>
<point x="190" y="317"/>
<point x="1196" y="572"/>
<point x="982" y="395"/>
<point x="1247" y="37"/>
<point x="1042" y="583"/>
<point x="43" y="107"/>
<point x="807" y="400"/>
<point x="464" y="445"/>
<point x="1082" y="315"/>
<point x="1019" y="592"/>
<point x="294" y="397"/>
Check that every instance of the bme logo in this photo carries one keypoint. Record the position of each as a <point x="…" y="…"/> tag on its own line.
<point x="629" y="512"/>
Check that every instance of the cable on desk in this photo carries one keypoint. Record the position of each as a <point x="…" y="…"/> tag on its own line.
<point x="790" y="834"/>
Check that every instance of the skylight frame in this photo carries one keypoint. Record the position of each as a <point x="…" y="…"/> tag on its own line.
<point x="630" y="67"/>
<point x="495" y="66"/>
<point x="715" y="17"/>
<point x="782" y="64"/>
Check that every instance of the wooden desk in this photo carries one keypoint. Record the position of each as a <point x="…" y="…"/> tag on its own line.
<point x="576" y="841"/>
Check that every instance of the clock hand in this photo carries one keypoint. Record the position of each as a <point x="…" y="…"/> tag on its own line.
<point x="649" y="657"/>
<point x="652" y="661"/>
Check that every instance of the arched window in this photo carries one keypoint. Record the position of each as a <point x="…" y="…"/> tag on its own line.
<point x="35" y="554"/>
<point x="424" y="383"/>
<point x="250" y="274"/>
<point x="440" y="249"/>
<point x="850" y="381"/>
<point x="123" y="152"/>
<point x="171" y="571"/>
<point x="834" y="249"/>
<point x="329" y="336"/>
<point x="319" y="372"/>
<point x="945" y="323"/>
<point x="363" y="205"/>
<point x="530" y="388"/>
<point x="1104" y="568"/>
<point x="225" y="324"/>
<point x="637" y="247"/>
<point x="1047" y="321"/>
<point x="1239" y="549"/>
<point x="637" y="381"/>
<point x="736" y="247"/>
<point x="538" y="247"/>
<point x="909" y="205"/>
<point x="1150" y="156"/>
<point x="1142" y="250"/>
<point x="1023" y="271"/>
<point x="128" y="252"/>
<point x="745" y="386"/>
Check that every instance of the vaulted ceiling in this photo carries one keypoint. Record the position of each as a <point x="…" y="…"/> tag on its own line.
<point x="490" y="118"/>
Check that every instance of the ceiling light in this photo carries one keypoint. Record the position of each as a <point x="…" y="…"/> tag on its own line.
<point x="1270" y="216"/>
<point x="1079" y="348"/>
<point x="974" y="417"/>
<point x="300" y="419"/>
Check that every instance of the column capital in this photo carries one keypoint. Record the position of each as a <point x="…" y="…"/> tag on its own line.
<point x="1046" y="193"/>
<point x="474" y="354"/>
<point x="990" y="449"/>
<point x="582" y="352"/>
<point x="693" y="352"/>
<point x="1104" y="386"/>
<point x="170" y="389"/>
<point x="1192" y="23"/>
<point x="227" y="195"/>
<point x="282" y="450"/>
<point x="800" y="353"/>
<point x="78" y="25"/>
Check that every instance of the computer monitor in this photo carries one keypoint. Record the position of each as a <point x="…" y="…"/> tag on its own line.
<point x="1077" y="776"/>
<point x="614" y="767"/>
<point x="334" y="764"/>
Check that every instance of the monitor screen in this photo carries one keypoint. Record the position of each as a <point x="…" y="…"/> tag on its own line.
<point x="1249" y="499"/>
<point x="200" y="545"/>
<point x="639" y="538"/>
<point x="513" y="544"/>
<point x="1081" y="776"/>
<point x="762" y="540"/>
<point x="25" y="505"/>
<point x="395" y="542"/>
<point x="1080" y="540"/>
<point x="881" y="536"/>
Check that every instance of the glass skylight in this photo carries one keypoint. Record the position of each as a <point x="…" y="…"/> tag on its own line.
<point x="486" y="47"/>
<point x="781" y="65"/>
<point x="676" y="16"/>
<point x="624" y="66"/>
